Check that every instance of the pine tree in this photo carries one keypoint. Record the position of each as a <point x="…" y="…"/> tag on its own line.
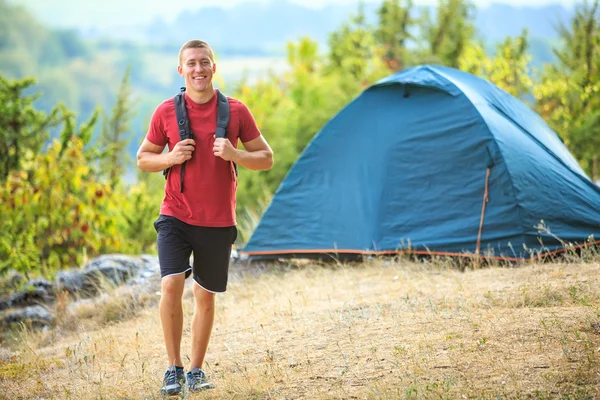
<point x="116" y="134"/>
<point x="24" y="129"/>
<point x="354" y="52"/>
<point x="569" y="94"/>
<point x="507" y="69"/>
<point x="392" y="33"/>
<point x="451" y="32"/>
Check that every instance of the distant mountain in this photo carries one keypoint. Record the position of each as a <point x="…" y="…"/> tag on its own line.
<point x="260" y="27"/>
<point x="500" y="20"/>
<point x="263" y="27"/>
<point x="248" y="25"/>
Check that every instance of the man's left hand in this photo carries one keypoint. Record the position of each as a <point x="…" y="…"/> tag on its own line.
<point x="224" y="149"/>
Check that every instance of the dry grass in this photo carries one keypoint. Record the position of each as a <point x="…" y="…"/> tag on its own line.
<point x="378" y="330"/>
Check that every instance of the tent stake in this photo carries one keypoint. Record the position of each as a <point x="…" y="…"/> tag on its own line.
<point x="485" y="200"/>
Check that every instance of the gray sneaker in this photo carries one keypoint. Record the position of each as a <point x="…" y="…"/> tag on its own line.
<point x="196" y="380"/>
<point x="173" y="381"/>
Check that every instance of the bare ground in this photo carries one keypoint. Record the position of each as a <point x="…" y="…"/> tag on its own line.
<point x="378" y="330"/>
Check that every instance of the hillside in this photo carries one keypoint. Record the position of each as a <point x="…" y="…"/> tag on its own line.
<point x="266" y="26"/>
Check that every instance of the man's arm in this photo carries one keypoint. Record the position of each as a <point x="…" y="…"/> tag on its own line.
<point x="257" y="156"/>
<point x="150" y="157"/>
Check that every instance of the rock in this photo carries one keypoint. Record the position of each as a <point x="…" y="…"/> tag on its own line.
<point x="9" y="282"/>
<point x="36" y="292"/>
<point x="13" y="279"/>
<point x="70" y="280"/>
<point x="37" y="315"/>
<point x="139" y="273"/>
<point x="30" y="297"/>
<point x="114" y="269"/>
<point x="124" y="265"/>
<point x="41" y="283"/>
<point x="150" y="268"/>
<point x="94" y="279"/>
<point x="4" y="304"/>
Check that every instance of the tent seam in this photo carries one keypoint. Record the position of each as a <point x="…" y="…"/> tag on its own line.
<point x="583" y="178"/>
<point x="462" y="94"/>
<point x="519" y="207"/>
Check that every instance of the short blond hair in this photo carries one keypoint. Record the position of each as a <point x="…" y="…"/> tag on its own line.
<point x="196" y="44"/>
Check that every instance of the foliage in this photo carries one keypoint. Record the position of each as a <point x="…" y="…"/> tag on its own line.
<point x="507" y="69"/>
<point x="116" y="134"/>
<point x="24" y="129"/>
<point x="56" y="213"/>
<point x="141" y="209"/>
<point x="57" y="209"/>
<point x="450" y="33"/>
<point x="568" y="96"/>
<point x="393" y="32"/>
<point x="354" y="54"/>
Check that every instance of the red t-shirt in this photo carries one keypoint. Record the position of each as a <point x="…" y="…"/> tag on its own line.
<point x="209" y="182"/>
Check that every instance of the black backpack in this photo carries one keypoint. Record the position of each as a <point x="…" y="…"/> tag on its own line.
<point x="184" y="124"/>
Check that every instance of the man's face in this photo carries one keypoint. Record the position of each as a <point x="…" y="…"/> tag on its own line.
<point x="197" y="69"/>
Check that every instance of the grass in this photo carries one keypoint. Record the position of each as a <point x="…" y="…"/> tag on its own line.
<point x="378" y="330"/>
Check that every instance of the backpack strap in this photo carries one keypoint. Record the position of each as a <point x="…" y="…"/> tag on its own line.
<point x="223" y="115"/>
<point x="184" y="128"/>
<point x="183" y="124"/>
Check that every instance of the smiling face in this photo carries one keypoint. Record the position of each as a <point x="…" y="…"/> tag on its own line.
<point x="197" y="67"/>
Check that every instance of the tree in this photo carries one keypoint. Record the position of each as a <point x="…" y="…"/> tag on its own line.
<point x="24" y="129"/>
<point x="580" y="53"/>
<point x="116" y="134"/>
<point x="452" y="31"/>
<point x="568" y="96"/>
<point x="507" y="69"/>
<point x="392" y="32"/>
<point x="57" y="212"/>
<point x="56" y="208"/>
<point x="314" y="89"/>
<point x="354" y="53"/>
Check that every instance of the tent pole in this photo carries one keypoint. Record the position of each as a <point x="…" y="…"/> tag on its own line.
<point x="485" y="200"/>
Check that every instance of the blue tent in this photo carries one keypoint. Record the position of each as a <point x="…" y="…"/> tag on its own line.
<point x="431" y="160"/>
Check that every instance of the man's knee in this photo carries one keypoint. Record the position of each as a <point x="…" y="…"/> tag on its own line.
<point x="205" y="300"/>
<point x="172" y="287"/>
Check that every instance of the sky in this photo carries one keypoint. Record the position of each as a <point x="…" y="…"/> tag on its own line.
<point x="79" y="13"/>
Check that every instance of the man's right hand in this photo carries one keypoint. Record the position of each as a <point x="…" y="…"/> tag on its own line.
<point x="183" y="151"/>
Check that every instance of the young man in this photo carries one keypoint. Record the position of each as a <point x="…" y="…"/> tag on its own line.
<point x="197" y="215"/>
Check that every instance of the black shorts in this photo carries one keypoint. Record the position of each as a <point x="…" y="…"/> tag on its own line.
<point x="211" y="247"/>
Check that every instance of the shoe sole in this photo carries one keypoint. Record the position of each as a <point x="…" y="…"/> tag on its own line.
<point x="171" y="392"/>
<point x="165" y="393"/>
<point x="204" y="386"/>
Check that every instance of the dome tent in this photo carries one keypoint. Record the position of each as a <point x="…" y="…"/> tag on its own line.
<point x="431" y="160"/>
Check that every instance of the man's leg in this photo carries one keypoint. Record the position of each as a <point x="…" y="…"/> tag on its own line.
<point x="171" y="316"/>
<point x="202" y="323"/>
